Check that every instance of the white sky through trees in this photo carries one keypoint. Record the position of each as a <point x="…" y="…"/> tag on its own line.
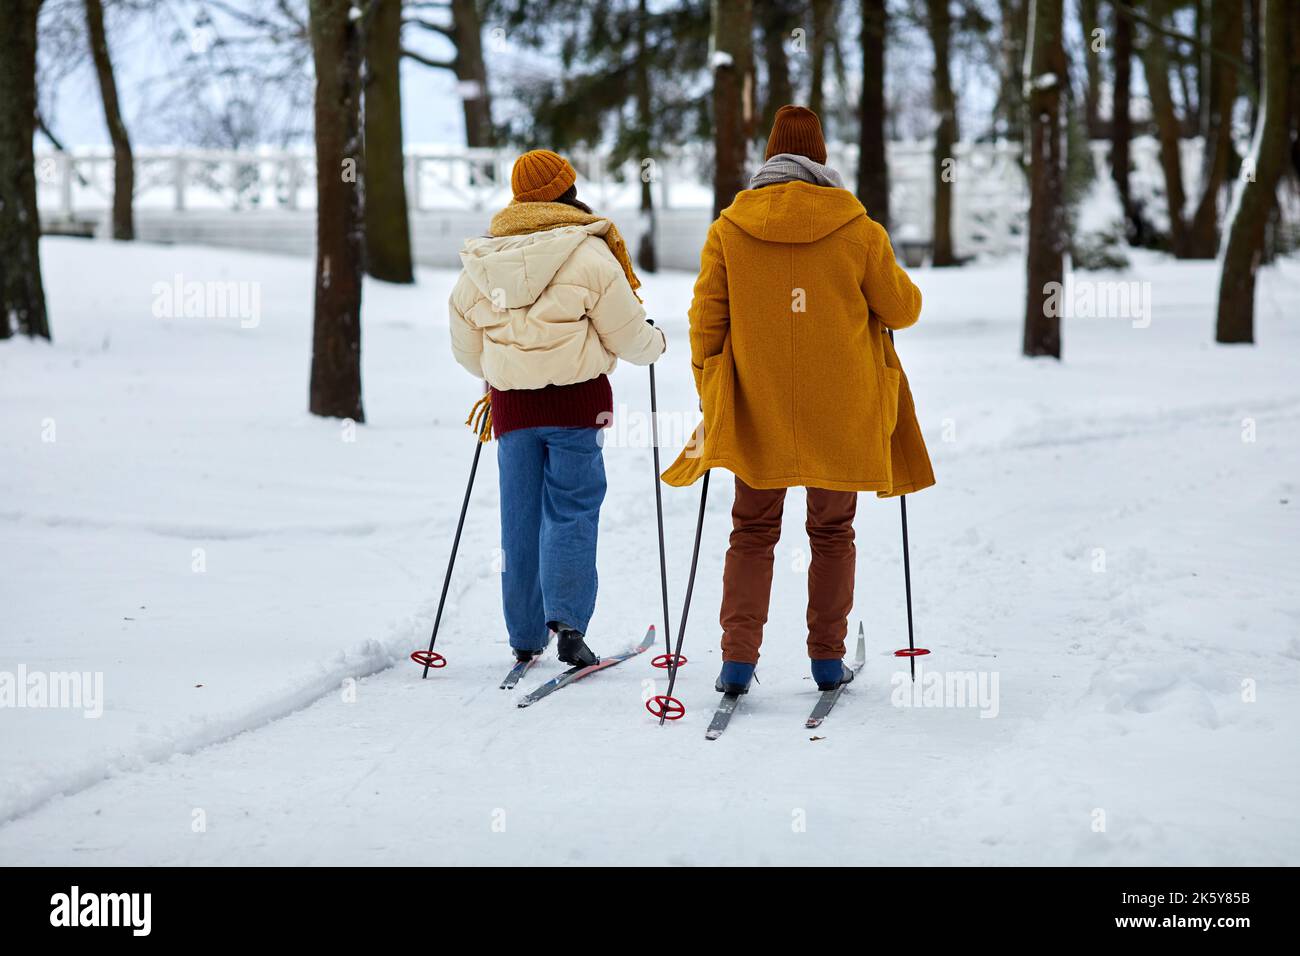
<point x="147" y="43"/>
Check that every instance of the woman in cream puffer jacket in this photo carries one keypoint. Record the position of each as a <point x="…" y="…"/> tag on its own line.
<point x="545" y="307"/>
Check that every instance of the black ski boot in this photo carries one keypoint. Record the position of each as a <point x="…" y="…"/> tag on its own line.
<point x="527" y="653"/>
<point x="572" y="649"/>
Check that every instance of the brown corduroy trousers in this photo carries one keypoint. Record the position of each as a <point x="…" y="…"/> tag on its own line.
<point x="747" y="575"/>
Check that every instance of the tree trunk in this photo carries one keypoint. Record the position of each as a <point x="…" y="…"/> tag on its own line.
<point x="1255" y="56"/>
<point x="1010" y="109"/>
<point x="388" y="231"/>
<point x="336" y="338"/>
<point x="647" y="258"/>
<point x="1045" y="77"/>
<point x="1155" y="61"/>
<point x="823" y="15"/>
<point x="1121" y="124"/>
<point x="1203" y="57"/>
<point x="873" y="168"/>
<point x="945" y="133"/>
<point x="1256" y="188"/>
<point x="22" y="297"/>
<point x="123" y="161"/>
<point x="1090" y="20"/>
<point x="778" y="19"/>
<point x="732" y="98"/>
<point x="471" y="73"/>
<point x="1226" y="28"/>
<point x="841" y="74"/>
<point x="1188" y="89"/>
<point x="1294" y="96"/>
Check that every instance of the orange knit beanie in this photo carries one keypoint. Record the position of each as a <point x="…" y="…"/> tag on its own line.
<point x="541" y="176"/>
<point x="797" y="130"/>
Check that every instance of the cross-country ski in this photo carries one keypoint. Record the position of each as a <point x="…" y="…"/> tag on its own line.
<point x="518" y="671"/>
<point x="580" y="671"/>
<point x="722" y="716"/>
<point x="828" y="698"/>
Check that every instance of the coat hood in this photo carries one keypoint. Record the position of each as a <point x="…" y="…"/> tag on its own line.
<point x="521" y="267"/>
<point x="793" y="212"/>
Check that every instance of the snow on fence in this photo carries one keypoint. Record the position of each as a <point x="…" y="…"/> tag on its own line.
<point x="263" y="199"/>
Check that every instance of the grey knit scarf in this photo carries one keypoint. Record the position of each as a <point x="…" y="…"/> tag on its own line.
<point x="784" y="167"/>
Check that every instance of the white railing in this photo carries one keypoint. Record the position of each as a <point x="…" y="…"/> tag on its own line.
<point x="172" y="185"/>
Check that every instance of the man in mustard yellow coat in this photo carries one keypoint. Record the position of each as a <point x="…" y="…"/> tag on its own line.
<point x="800" y="386"/>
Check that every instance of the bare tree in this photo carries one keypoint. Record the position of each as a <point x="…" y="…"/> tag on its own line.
<point x="239" y="76"/>
<point x="465" y="33"/>
<point x="1251" y="67"/>
<point x="777" y="20"/>
<point x="471" y="72"/>
<point x="336" y="338"/>
<point x="733" y="97"/>
<point x="1226" y="33"/>
<point x="1195" y="236"/>
<point x="1257" y="185"/>
<point x="22" y="296"/>
<point x="1121" y="122"/>
<point x="823" y="20"/>
<point x="1155" y="61"/>
<point x="1045" y="79"/>
<point x="1010" y="107"/>
<point x="646" y="252"/>
<point x="873" y="169"/>
<point x="123" y="160"/>
<point x="1090" y="23"/>
<point x="388" y="231"/>
<point x="945" y="132"/>
<point x="1294" y="94"/>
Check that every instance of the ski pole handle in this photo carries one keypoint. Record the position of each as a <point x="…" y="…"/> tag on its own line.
<point x="651" y="323"/>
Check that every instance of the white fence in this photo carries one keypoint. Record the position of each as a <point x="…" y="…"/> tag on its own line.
<point x="263" y="199"/>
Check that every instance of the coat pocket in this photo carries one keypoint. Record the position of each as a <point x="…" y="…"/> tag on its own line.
<point x="889" y="383"/>
<point x="715" y="396"/>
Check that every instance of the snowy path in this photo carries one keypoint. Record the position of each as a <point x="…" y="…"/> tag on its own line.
<point x="1120" y="691"/>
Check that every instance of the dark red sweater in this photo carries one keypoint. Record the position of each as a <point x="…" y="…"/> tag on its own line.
<point x="588" y="404"/>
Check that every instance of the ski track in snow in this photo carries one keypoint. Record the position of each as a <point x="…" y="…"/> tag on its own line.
<point x="1121" y="735"/>
<point x="189" y="532"/>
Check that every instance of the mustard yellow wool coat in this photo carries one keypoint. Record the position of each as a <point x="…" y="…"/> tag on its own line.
<point x="798" y="380"/>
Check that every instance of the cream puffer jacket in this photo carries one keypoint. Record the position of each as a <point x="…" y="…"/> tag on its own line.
<point x="547" y="308"/>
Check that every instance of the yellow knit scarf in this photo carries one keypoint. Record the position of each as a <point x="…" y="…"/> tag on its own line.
<point x="520" y="218"/>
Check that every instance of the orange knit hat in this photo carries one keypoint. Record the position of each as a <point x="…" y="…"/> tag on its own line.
<point x="797" y="130"/>
<point x="541" y="176"/>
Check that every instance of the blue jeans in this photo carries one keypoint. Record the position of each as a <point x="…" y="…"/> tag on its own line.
<point x="552" y="486"/>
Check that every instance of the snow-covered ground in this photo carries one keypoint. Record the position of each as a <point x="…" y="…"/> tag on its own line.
<point x="1114" y="545"/>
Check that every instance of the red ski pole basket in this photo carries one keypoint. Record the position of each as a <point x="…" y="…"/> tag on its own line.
<point x="429" y="658"/>
<point x="668" y="661"/>
<point x="665" y="707"/>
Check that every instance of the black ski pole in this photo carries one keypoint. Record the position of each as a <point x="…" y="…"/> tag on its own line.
<point x="666" y="659"/>
<point x="667" y="703"/>
<point x="429" y="658"/>
<point x="912" y="652"/>
<point x="907" y="586"/>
